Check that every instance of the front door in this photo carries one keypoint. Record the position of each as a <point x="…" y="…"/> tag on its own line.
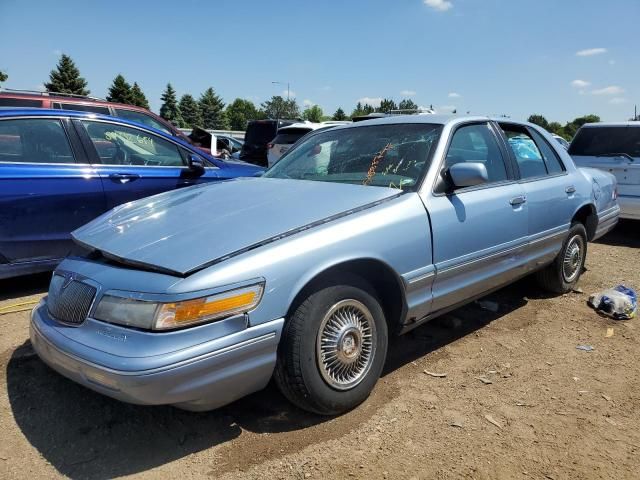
<point x="479" y="233"/>
<point x="46" y="190"/>
<point x="135" y="163"/>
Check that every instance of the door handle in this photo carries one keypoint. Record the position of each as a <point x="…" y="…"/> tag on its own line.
<point x="123" y="177"/>
<point x="570" y="189"/>
<point x="518" y="200"/>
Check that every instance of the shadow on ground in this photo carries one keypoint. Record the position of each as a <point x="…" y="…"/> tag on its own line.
<point x="86" y="435"/>
<point x="626" y="234"/>
<point x="23" y="286"/>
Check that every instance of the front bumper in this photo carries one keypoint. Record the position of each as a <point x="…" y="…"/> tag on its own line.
<point x="206" y="376"/>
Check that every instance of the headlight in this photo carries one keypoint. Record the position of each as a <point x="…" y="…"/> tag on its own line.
<point x="166" y="316"/>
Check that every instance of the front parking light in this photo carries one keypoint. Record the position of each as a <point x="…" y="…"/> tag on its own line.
<point x="166" y="316"/>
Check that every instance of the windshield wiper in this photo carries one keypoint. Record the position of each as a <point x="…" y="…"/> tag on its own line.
<point x="625" y="155"/>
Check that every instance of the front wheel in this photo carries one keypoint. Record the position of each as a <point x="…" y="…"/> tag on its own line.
<point x="332" y="350"/>
<point x="563" y="274"/>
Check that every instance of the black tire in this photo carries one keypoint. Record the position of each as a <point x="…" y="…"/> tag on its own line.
<point x="554" y="277"/>
<point x="299" y="374"/>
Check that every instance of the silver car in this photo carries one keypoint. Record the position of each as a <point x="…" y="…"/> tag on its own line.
<point x="197" y="297"/>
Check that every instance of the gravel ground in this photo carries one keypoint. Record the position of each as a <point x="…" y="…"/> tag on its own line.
<point x="518" y="401"/>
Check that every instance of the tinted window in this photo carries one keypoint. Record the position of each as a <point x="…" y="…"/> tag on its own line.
<point x="20" y="102"/>
<point x="82" y="108"/>
<point x="527" y="154"/>
<point x="142" y="118"/>
<point x="606" y="141"/>
<point x="121" y="145"/>
<point x="290" y="136"/>
<point x="260" y="132"/>
<point x="476" y="143"/>
<point x="551" y="159"/>
<point x="382" y="155"/>
<point x="34" y="141"/>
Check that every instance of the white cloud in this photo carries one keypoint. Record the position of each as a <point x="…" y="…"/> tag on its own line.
<point x="408" y="93"/>
<point x="618" y="101"/>
<point x="454" y="95"/>
<point x="308" y="103"/>
<point x="589" y="52"/>
<point x="612" y="90"/>
<point x="439" y="5"/>
<point x="373" y="101"/>
<point x="291" y="94"/>
<point x="580" y="83"/>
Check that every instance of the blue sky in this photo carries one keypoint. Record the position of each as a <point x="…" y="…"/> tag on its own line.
<point x="560" y="58"/>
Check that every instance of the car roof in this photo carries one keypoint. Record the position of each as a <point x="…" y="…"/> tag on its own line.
<point x="67" y="98"/>
<point x="630" y="123"/>
<point x="430" y="119"/>
<point x="49" y="112"/>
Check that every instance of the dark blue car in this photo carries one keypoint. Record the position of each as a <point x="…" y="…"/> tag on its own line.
<point x="59" y="169"/>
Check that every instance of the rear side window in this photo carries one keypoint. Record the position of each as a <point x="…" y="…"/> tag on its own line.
<point x="290" y="136"/>
<point x="81" y="108"/>
<point x="594" y="141"/>
<point x="34" y="140"/>
<point x="142" y="118"/>
<point x="551" y="158"/>
<point x="476" y="143"/>
<point x="20" y="102"/>
<point x="528" y="156"/>
<point x="122" y="145"/>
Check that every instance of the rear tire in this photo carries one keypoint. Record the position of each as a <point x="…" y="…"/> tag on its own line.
<point x="332" y="350"/>
<point x="563" y="274"/>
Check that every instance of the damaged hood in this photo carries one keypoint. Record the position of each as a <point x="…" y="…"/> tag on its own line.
<point x="184" y="230"/>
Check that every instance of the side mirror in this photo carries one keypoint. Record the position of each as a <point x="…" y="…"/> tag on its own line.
<point x="196" y="164"/>
<point x="468" y="174"/>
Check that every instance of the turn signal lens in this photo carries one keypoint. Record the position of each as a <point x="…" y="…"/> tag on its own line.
<point x="199" y="310"/>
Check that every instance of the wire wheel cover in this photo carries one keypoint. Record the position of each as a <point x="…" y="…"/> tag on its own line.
<point x="572" y="260"/>
<point x="346" y="344"/>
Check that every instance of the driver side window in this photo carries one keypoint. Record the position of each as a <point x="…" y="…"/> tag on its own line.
<point x="122" y="145"/>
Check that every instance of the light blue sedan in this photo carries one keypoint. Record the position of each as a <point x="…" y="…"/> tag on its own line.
<point x="359" y="232"/>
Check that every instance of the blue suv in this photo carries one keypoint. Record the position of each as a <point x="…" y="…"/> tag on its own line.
<point x="59" y="169"/>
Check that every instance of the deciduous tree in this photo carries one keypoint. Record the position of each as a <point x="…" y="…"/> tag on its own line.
<point x="313" y="113"/>
<point x="278" y="107"/>
<point x="240" y="112"/>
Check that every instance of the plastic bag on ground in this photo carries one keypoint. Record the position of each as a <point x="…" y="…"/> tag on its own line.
<point x="620" y="303"/>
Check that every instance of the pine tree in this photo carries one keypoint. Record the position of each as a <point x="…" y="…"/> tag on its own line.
<point x="137" y="97"/>
<point x="120" y="91"/>
<point x="212" y="108"/>
<point x="3" y="76"/>
<point x="66" y="78"/>
<point x="170" y="110"/>
<point x="339" y="115"/>
<point x="386" y="105"/>
<point x="407" y="104"/>
<point x="190" y="111"/>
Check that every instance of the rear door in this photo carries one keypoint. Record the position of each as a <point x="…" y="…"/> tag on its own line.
<point x="47" y="189"/>
<point x="135" y="163"/>
<point x="479" y="233"/>
<point x="549" y="191"/>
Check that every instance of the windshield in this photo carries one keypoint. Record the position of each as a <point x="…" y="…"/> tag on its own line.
<point x="593" y="141"/>
<point x="393" y="155"/>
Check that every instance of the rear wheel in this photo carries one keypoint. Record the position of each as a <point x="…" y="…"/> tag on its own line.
<point x="333" y="349"/>
<point x="563" y="274"/>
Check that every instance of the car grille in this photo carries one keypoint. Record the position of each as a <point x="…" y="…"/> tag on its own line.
<point x="70" y="303"/>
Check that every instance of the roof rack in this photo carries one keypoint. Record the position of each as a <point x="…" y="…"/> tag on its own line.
<point x="51" y="94"/>
<point x="411" y="111"/>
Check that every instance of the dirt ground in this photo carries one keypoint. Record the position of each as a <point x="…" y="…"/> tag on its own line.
<point x="518" y="401"/>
